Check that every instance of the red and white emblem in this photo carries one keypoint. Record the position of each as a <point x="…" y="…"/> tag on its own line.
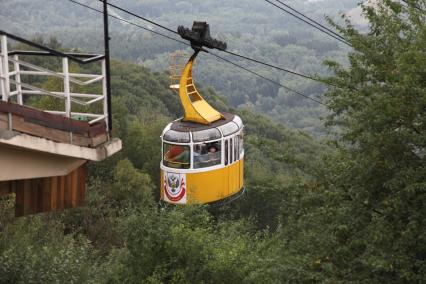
<point x="175" y="188"/>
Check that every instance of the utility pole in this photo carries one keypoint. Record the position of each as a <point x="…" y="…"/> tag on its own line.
<point x="107" y="63"/>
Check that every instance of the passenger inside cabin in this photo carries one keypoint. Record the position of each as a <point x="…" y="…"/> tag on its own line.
<point x="206" y="155"/>
<point x="212" y="151"/>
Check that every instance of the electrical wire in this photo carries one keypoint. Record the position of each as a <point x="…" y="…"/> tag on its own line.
<point x="268" y="79"/>
<point x="131" y="23"/>
<point x="278" y="68"/>
<point x="306" y="17"/>
<point x="140" y="17"/>
<point x="305" y="21"/>
<point x="213" y="54"/>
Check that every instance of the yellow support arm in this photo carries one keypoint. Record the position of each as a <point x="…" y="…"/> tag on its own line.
<point x="195" y="107"/>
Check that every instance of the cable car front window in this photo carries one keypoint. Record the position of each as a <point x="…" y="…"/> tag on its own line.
<point x="176" y="136"/>
<point x="207" y="154"/>
<point x="176" y="156"/>
<point x="206" y="135"/>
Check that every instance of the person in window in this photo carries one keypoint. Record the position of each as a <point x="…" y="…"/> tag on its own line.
<point x="212" y="150"/>
<point x="212" y="155"/>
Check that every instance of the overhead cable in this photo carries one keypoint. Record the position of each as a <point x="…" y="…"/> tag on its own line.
<point x="130" y="23"/>
<point x="268" y="79"/>
<point x="309" y="19"/>
<point x="278" y="68"/>
<point x="312" y="25"/>
<point x="140" y="17"/>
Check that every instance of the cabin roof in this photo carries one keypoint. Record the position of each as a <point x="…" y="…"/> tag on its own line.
<point x="188" y="126"/>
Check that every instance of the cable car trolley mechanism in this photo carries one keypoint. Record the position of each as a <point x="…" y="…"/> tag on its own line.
<point x="202" y="153"/>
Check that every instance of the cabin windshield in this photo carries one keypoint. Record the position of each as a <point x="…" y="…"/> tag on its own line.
<point x="176" y="156"/>
<point x="206" y="135"/>
<point x="207" y="154"/>
<point x="176" y="136"/>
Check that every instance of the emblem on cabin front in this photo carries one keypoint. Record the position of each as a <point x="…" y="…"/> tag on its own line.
<point x="175" y="187"/>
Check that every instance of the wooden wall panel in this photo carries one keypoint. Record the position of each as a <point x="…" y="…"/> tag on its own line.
<point x="82" y="179"/>
<point x="48" y="194"/>
<point x="19" y="199"/>
<point x="26" y="191"/>
<point x="61" y="193"/>
<point x="5" y="188"/>
<point x="54" y="193"/>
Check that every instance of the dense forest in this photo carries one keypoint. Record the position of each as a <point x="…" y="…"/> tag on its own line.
<point x="347" y="208"/>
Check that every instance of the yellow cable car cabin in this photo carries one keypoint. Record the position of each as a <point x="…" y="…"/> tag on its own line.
<point x="202" y="163"/>
<point x="202" y="153"/>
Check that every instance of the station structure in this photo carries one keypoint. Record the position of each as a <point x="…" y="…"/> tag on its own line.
<point x="50" y="131"/>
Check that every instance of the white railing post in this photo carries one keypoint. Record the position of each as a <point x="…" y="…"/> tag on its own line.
<point x="5" y="70"/>
<point x="104" y="92"/>
<point x="65" y="71"/>
<point x="2" y="91"/>
<point x="18" y="79"/>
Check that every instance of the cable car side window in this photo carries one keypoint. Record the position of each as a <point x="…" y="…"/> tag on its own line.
<point x="231" y="152"/>
<point x="176" y="136"/>
<point x="207" y="154"/>
<point x="241" y="138"/>
<point x="226" y="152"/>
<point x="206" y="135"/>
<point x="237" y="148"/>
<point x="176" y="156"/>
<point x="238" y="121"/>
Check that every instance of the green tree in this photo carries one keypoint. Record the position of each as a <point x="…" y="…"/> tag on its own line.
<point x="380" y="175"/>
<point x="35" y="250"/>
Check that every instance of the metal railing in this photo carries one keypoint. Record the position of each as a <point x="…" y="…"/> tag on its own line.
<point x="177" y="62"/>
<point x="12" y="84"/>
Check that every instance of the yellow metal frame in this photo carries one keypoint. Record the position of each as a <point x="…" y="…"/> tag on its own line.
<point x="195" y="107"/>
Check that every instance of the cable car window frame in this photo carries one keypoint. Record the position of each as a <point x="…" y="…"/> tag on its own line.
<point x="226" y="154"/>
<point x="217" y="135"/>
<point x="176" y="136"/>
<point x="225" y="129"/>
<point x="231" y="151"/>
<point x="238" y="121"/>
<point x="207" y="163"/>
<point x="174" y="164"/>
<point x="241" y="142"/>
<point x="237" y="148"/>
